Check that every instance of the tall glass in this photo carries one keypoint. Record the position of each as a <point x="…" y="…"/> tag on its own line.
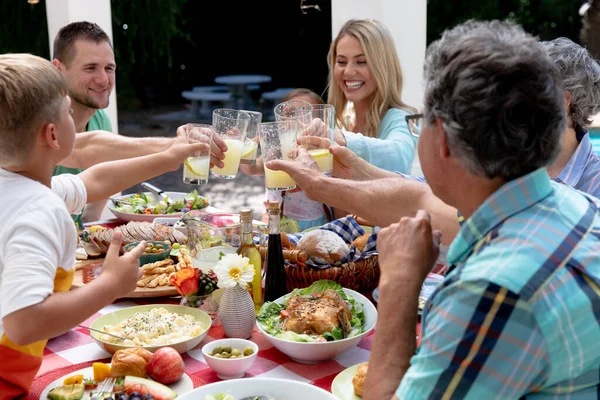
<point x="196" y="167"/>
<point x="289" y="110"/>
<point x="319" y="134"/>
<point x="231" y="126"/>
<point x="278" y="142"/>
<point x="250" y="149"/>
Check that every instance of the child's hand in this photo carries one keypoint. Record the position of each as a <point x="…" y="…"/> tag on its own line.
<point x="181" y="149"/>
<point x="122" y="272"/>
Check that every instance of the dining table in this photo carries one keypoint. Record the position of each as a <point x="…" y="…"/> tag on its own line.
<point x="75" y="350"/>
<point x="238" y="87"/>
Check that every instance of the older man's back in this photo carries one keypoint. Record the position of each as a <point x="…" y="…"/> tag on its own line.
<point x="518" y="315"/>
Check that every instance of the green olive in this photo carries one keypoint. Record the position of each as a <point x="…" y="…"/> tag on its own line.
<point x="248" y="351"/>
<point x="227" y="349"/>
<point x="216" y="350"/>
<point x="236" y="352"/>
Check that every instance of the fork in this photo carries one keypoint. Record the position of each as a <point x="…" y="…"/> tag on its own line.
<point x="106" y="386"/>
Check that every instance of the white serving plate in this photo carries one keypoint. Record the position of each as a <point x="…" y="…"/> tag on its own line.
<point x="173" y="196"/>
<point x="184" y="385"/>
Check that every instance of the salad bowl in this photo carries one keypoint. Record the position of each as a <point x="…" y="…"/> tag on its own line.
<point x="297" y="347"/>
<point x="239" y="389"/>
<point x="146" y="206"/>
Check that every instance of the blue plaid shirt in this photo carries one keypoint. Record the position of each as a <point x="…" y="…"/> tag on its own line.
<point x="518" y="317"/>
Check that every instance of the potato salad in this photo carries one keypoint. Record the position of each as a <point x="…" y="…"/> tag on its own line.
<point x="155" y="327"/>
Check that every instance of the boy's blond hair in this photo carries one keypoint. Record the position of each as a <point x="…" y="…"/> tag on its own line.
<point x="32" y="93"/>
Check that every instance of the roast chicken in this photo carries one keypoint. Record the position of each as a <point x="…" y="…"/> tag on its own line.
<point x="318" y="314"/>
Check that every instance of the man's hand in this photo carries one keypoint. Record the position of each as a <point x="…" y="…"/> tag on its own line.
<point x="217" y="146"/>
<point x="408" y="249"/>
<point x="346" y="164"/>
<point x="303" y="170"/>
<point x="122" y="272"/>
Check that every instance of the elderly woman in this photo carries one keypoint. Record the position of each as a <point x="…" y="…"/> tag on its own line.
<point x="516" y="317"/>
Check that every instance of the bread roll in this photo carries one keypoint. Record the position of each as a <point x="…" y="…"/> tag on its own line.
<point x="131" y="362"/>
<point x="361" y="241"/>
<point x="323" y="247"/>
<point x="359" y="379"/>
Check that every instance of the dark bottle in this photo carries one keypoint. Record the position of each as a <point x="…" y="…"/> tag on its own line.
<point x="275" y="269"/>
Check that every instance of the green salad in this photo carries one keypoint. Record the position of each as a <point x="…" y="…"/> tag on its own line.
<point x="142" y="203"/>
<point x="272" y="315"/>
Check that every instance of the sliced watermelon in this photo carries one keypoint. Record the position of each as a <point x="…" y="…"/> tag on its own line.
<point x="146" y="386"/>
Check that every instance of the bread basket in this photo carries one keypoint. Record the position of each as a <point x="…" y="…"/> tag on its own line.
<point x="359" y="271"/>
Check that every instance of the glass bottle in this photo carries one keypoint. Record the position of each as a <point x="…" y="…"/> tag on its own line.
<point x="275" y="286"/>
<point x="247" y="249"/>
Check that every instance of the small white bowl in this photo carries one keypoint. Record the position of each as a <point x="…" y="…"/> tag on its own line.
<point x="230" y="368"/>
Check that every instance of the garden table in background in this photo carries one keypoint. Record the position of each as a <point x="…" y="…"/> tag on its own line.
<point x="238" y="86"/>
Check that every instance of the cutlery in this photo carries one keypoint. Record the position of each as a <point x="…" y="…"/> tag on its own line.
<point x="158" y="191"/>
<point x="106" y="386"/>
<point x="104" y="333"/>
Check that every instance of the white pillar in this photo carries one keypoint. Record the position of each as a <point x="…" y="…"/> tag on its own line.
<point x="63" y="12"/>
<point x="407" y="21"/>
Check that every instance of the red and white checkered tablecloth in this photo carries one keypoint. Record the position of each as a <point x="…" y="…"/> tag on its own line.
<point x="77" y="346"/>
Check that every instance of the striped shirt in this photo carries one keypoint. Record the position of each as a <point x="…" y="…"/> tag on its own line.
<point x="583" y="169"/>
<point x="518" y="316"/>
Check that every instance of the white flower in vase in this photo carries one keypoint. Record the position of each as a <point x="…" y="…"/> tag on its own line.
<point x="233" y="269"/>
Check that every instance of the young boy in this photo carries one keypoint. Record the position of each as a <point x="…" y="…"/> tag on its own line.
<point x="37" y="235"/>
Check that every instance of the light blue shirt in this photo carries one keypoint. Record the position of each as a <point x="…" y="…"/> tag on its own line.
<point x="519" y="315"/>
<point x="394" y="147"/>
<point x="583" y="169"/>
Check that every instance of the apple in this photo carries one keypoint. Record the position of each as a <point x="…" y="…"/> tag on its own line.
<point x="165" y="366"/>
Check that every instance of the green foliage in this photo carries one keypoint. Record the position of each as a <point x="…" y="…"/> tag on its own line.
<point x="546" y="19"/>
<point x="23" y="28"/>
<point x="142" y="35"/>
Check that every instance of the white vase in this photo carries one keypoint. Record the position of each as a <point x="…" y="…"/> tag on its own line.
<point x="236" y="312"/>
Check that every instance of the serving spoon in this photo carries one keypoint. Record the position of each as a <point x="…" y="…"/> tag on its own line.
<point x="104" y="333"/>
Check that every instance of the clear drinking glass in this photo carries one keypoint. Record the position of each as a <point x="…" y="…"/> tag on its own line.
<point x="278" y="142"/>
<point x="289" y="110"/>
<point x="250" y="149"/>
<point x="196" y="167"/>
<point x="319" y="134"/>
<point x="231" y="126"/>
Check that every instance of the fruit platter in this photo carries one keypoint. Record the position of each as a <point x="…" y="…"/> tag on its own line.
<point x="134" y="374"/>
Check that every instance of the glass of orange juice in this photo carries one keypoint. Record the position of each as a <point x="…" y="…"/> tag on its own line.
<point x="230" y="125"/>
<point x="278" y="142"/>
<point x="317" y="133"/>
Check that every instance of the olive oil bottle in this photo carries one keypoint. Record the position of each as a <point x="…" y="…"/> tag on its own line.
<point x="247" y="249"/>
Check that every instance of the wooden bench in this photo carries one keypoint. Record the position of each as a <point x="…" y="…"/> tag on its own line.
<point x="202" y="101"/>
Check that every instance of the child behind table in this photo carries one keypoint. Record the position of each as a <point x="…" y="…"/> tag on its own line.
<point x="296" y="205"/>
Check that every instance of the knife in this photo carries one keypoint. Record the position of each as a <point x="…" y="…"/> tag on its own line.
<point x="158" y="191"/>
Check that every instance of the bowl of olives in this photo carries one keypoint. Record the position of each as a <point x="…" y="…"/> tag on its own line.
<point x="230" y="358"/>
<point x="154" y="251"/>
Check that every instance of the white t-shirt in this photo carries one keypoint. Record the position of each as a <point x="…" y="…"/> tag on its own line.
<point x="37" y="235"/>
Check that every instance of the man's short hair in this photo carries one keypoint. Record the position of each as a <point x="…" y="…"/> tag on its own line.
<point x="498" y="96"/>
<point x="64" y="42"/>
<point x="32" y="92"/>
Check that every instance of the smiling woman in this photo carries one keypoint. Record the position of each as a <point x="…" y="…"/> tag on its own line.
<point x="365" y="74"/>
